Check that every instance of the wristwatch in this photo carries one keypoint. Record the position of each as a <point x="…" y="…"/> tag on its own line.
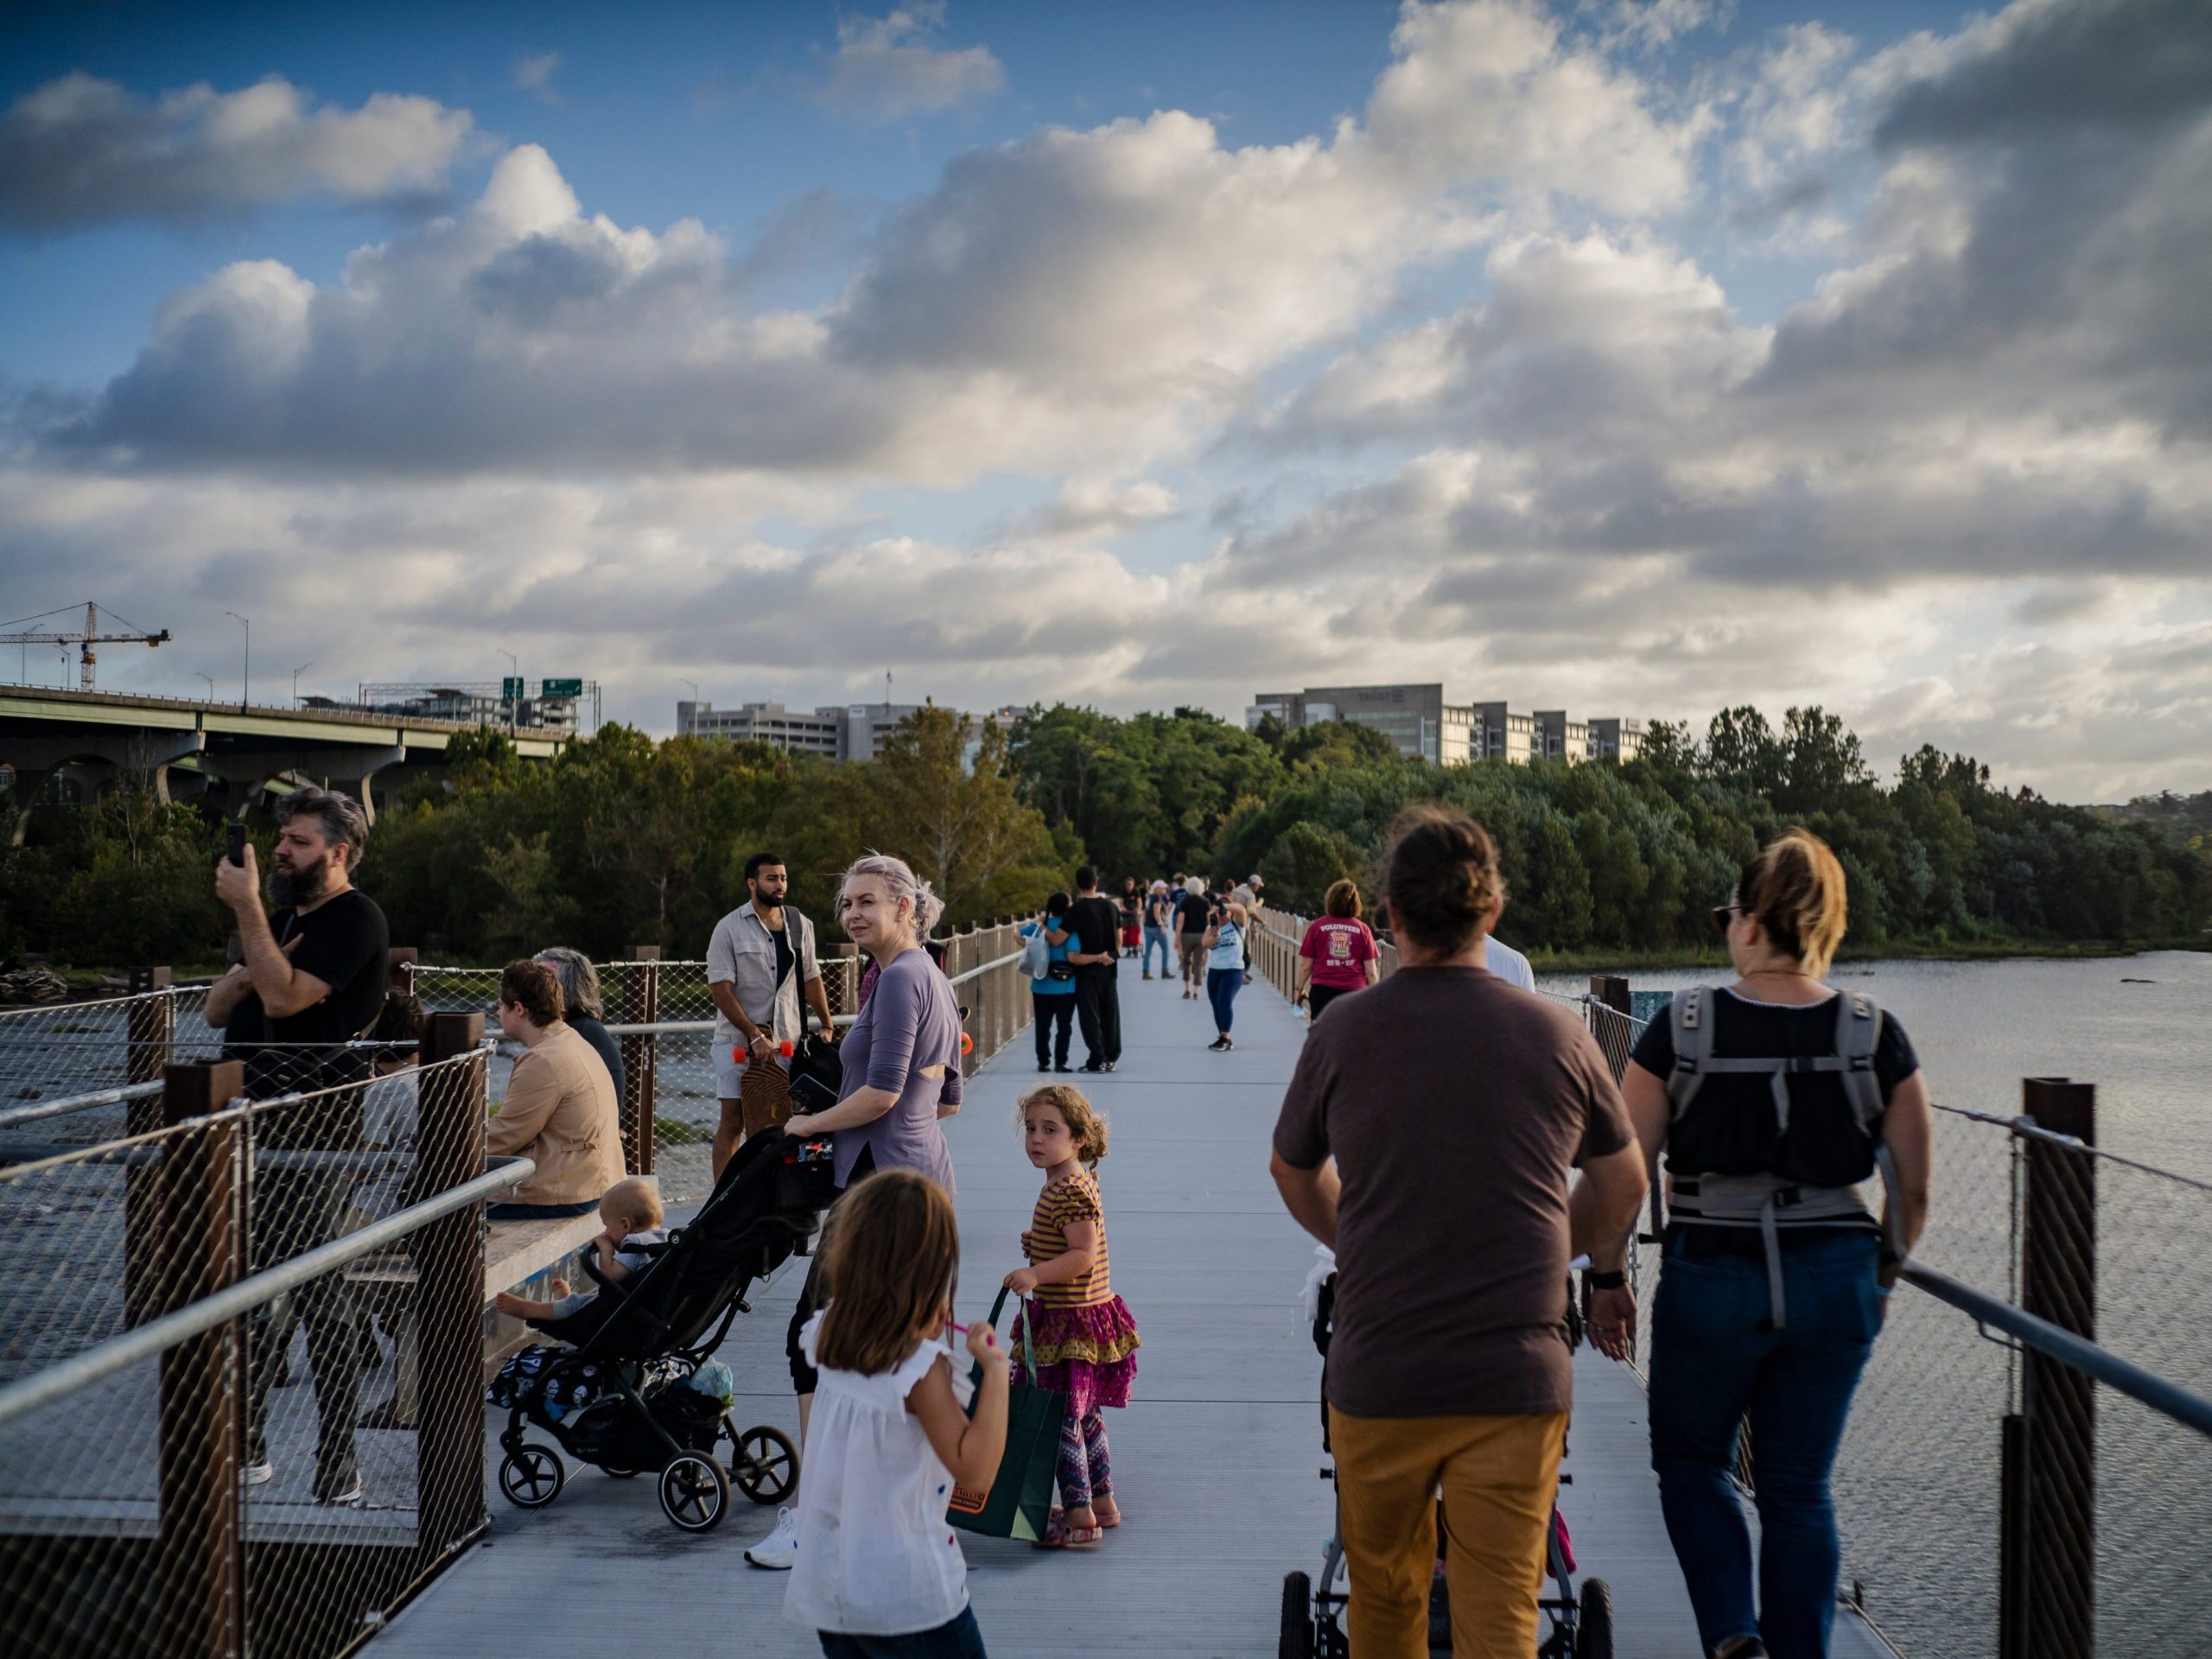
<point x="1600" y="1280"/>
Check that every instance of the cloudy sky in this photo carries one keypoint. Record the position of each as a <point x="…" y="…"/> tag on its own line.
<point x="1635" y="356"/>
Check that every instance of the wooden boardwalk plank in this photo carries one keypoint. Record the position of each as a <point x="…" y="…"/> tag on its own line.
<point x="1215" y="1459"/>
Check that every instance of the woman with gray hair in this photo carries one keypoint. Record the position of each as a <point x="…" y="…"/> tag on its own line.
<point x="582" y="1010"/>
<point x="901" y="1075"/>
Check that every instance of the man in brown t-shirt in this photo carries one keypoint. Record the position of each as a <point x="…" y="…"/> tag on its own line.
<point x="1454" y="1110"/>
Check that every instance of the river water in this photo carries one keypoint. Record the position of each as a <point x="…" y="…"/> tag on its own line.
<point x="1917" y="1481"/>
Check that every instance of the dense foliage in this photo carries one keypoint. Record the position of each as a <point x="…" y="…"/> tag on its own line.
<point x="624" y="841"/>
<point x="1621" y="857"/>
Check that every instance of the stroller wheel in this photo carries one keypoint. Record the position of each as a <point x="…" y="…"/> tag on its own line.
<point x="531" y="1476"/>
<point x="764" y="1464"/>
<point x="1593" y="1632"/>
<point x="613" y="1473"/>
<point x="694" y="1492"/>
<point x="1296" y="1641"/>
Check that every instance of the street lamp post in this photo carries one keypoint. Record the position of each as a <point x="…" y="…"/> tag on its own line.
<point x="246" y="674"/>
<point x="297" y="672"/>
<point x="514" y="703"/>
<point x="210" y="678"/>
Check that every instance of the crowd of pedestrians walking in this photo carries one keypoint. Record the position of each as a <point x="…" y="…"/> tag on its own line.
<point x="1454" y="1140"/>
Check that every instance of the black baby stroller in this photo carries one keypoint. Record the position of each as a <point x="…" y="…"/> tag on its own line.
<point x="625" y="1397"/>
<point x="1313" y="1614"/>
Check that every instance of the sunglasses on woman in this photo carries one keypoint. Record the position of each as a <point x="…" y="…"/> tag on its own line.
<point x="1723" y="915"/>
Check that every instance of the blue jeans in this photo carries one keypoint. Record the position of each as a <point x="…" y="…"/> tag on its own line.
<point x="1157" y="936"/>
<point x="956" y="1638"/>
<point x="1713" y="1364"/>
<point x="1221" y="986"/>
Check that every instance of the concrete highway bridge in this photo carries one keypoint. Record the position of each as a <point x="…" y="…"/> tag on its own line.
<point x="184" y="746"/>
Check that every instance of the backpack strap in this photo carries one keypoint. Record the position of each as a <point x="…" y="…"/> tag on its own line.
<point x="1858" y="1034"/>
<point x="1691" y="1014"/>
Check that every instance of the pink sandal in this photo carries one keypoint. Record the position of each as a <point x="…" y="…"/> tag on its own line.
<point x="1056" y="1517"/>
<point x="1060" y="1536"/>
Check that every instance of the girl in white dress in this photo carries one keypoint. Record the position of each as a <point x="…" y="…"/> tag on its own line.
<point x="878" y="1574"/>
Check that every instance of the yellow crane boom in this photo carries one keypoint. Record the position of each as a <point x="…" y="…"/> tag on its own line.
<point x="85" y="640"/>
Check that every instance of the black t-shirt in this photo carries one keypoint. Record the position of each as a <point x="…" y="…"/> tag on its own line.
<point x="341" y="943"/>
<point x="1095" y="921"/>
<point x="1192" y="911"/>
<point x="782" y="936"/>
<point x="1730" y="1128"/>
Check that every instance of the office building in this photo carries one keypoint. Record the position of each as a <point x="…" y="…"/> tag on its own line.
<point x="1419" y="722"/>
<point x="1616" y="740"/>
<point x="851" y="732"/>
<point x="1501" y="735"/>
<point x="1415" y="718"/>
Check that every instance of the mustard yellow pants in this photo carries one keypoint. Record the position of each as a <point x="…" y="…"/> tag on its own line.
<point x="1497" y="1475"/>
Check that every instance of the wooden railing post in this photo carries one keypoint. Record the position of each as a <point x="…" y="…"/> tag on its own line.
<point x="1611" y="989"/>
<point x="998" y="1014"/>
<point x="640" y="1058"/>
<point x="449" y="1290"/>
<point x="150" y="1033"/>
<point x="2054" y="1565"/>
<point x="198" y="1203"/>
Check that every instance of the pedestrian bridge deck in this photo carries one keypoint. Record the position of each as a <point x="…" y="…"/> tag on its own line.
<point x="1215" y="1460"/>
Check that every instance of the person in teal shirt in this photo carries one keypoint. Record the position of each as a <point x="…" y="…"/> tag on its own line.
<point x="1053" y="993"/>
<point x="1225" y="943"/>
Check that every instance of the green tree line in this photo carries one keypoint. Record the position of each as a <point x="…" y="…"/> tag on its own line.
<point x="624" y="841"/>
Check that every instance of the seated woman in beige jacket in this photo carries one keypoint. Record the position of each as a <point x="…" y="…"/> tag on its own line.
<point x="560" y="1110"/>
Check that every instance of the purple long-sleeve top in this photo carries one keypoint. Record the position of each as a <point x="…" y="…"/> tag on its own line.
<point x="910" y="1024"/>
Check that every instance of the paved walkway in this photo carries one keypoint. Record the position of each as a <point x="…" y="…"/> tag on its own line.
<point x="1215" y="1459"/>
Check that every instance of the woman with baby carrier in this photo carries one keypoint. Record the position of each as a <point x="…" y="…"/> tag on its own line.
<point x="1773" y="1098"/>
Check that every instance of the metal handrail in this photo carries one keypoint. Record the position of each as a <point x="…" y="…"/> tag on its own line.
<point x="128" y="1348"/>
<point x="981" y="968"/>
<point x="2168" y="1399"/>
<point x="79" y="1102"/>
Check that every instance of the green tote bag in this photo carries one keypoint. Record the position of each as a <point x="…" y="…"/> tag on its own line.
<point x="1019" y="1500"/>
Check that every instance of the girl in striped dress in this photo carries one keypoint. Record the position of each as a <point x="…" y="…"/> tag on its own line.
<point x="1086" y="1342"/>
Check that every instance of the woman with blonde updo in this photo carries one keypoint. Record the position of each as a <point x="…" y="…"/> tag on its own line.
<point x="1774" y="1098"/>
<point x="901" y="1075"/>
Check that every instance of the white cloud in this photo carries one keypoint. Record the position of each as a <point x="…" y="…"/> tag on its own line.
<point x="1489" y="89"/>
<point x="1086" y="298"/>
<point x="80" y="151"/>
<point x="885" y="68"/>
<point x="1652" y="24"/>
<point x="1962" y="492"/>
<point x="534" y="72"/>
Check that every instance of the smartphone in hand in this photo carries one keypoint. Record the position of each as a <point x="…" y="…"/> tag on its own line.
<point x="234" y="843"/>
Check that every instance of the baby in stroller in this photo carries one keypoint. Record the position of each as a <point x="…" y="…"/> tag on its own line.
<point x="639" y="1390"/>
<point x="630" y="1208"/>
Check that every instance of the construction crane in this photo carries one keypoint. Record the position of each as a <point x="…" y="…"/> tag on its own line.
<point x="85" y="641"/>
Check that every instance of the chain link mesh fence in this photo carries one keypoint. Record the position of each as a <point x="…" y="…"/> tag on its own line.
<point x="57" y="1060"/>
<point x="277" y="1479"/>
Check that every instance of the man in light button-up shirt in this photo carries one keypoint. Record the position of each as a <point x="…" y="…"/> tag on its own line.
<point x="760" y="962"/>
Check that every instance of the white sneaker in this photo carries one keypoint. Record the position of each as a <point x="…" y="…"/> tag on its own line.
<point x="779" y="1549"/>
<point x="258" y="1474"/>
<point x="354" y="1497"/>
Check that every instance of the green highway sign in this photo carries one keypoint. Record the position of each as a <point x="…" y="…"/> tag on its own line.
<point x="560" y="688"/>
<point x="511" y="689"/>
